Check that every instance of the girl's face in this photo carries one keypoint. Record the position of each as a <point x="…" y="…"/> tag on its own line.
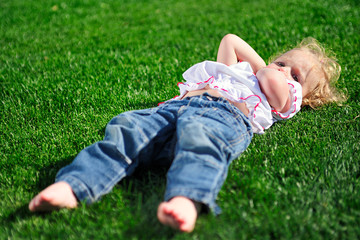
<point x="301" y="66"/>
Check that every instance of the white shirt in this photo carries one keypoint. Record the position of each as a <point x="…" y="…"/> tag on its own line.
<point x="238" y="83"/>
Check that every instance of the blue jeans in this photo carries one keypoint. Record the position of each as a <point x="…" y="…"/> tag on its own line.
<point x="197" y="137"/>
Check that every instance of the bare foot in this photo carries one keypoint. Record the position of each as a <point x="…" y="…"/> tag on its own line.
<point x="179" y="213"/>
<point x="56" y="196"/>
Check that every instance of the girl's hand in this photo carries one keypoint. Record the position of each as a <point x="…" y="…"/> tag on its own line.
<point x="275" y="87"/>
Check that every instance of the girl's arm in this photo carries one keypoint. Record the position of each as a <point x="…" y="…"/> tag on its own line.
<point x="275" y="87"/>
<point x="273" y="84"/>
<point x="233" y="49"/>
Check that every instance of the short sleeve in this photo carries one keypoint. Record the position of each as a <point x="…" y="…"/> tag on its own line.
<point x="295" y="93"/>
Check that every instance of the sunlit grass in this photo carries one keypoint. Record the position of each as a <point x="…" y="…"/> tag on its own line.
<point x="66" y="68"/>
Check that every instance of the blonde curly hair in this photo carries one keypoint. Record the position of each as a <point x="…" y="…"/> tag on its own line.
<point x="324" y="92"/>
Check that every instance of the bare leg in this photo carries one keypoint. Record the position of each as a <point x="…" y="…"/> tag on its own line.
<point x="179" y="213"/>
<point x="56" y="196"/>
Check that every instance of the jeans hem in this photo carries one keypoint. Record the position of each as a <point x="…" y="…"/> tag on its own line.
<point x="78" y="187"/>
<point x="198" y="196"/>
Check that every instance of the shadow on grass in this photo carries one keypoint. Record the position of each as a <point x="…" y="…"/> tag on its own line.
<point x="140" y="193"/>
<point x="22" y="213"/>
<point x="145" y="189"/>
<point x="47" y="174"/>
<point x="46" y="177"/>
<point x="136" y="197"/>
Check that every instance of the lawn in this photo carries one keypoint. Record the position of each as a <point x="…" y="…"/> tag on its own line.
<point x="67" y="67"/>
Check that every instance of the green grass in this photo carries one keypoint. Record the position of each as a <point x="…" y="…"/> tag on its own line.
<point x="67" y="67"/>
